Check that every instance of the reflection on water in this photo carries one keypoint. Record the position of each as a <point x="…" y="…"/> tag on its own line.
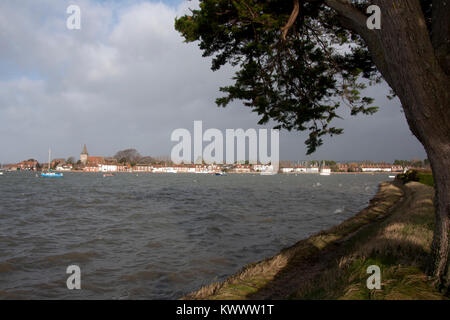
<point x="157" y="236"/>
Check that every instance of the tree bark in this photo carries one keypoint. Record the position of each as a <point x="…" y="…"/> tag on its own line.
<point x="418" y="73"/>
<point x="416" y="76"/>
<point x="439" y="260"/>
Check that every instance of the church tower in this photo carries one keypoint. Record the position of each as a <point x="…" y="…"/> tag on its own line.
<point x="84" y="155"/>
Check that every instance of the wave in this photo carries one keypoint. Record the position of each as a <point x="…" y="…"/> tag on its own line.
<point x="69" y="257"/>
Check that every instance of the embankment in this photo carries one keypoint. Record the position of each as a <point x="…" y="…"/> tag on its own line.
<point x="393" y="232"/>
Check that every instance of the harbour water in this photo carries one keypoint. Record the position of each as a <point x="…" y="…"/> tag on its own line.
<point x="158" y="236"/>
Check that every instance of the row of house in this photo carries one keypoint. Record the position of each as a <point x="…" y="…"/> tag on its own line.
<point x="101" y="164"/>
<point x="300" y="170"/>
<point x="382" y="167"/>
<point x="193" y="168"/>
<point x="27" y="165"/>
<point x="89" y="163"/>
<point x="346" y="168"/>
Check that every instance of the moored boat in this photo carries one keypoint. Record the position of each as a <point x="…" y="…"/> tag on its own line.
<point x="267" y="173"/>
<point x="49" y="173"/>
<point x="324" y="171"/>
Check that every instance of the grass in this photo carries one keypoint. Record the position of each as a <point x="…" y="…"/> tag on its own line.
<point x="422" y="176"/>
<point x="394" y="233"/>
<point x="426" y="178"/>
<point x="399" y="246"/>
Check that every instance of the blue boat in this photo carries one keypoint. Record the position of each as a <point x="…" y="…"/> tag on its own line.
<point x="52" y="174"/>
<point x="49" y="173"/>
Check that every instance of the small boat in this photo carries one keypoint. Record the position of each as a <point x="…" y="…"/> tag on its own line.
<point x="221" y="174"/>
<point x="49" y="173"/>
<point x="391" y="177"/>
<point x="1" y="173"/>
<point x="108" y="175"/>
<point x="267" y="173"/>
<point x="324" y="171"/>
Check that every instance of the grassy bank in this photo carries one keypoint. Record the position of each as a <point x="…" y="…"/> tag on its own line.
<point x="422" y="176"/>
<point x="426" y="178"/>
<point x="393" y="232"/>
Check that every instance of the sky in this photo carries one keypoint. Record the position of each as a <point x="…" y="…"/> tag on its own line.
<point x="127" y="80"/>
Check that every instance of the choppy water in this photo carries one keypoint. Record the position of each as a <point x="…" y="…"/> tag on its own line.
<point x="157" y="236"/>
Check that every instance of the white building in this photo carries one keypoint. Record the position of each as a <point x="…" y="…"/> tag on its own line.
<point x="376" y="169"/>
<point x="160" y="169"/>
<point x="108" y="167"/>
<point x="262" y="167"/>
<point x="64" y="167"/>
<point x="142" y="168"/>
<point x="185" y="169"/>
<point x="202" y="169"/>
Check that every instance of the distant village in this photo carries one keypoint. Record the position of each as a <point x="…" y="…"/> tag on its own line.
<point x="130" y="161"/>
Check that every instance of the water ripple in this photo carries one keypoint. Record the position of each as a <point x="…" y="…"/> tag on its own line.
<point x="157" y="236"/>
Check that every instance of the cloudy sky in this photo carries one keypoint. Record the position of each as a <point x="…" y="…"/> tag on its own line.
<point x="126" y="79"/>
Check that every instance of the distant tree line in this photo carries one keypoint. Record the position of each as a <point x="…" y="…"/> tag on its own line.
<point x="133" y="157"/>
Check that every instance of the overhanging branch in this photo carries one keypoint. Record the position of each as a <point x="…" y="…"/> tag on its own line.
<point x="356" y="21"/>
<point x="291" y="19"/>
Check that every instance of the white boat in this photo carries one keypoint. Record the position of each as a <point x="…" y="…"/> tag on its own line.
<point x="1" y="173"/>
<point x="392" y="177"/>
<point x="267" y="173"/>
<point x="324" y="171"/>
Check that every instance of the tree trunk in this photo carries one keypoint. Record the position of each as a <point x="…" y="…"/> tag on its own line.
<point x="410" y="66"/>
<point x="439" y="263"/>
<point x="419" y="74"/>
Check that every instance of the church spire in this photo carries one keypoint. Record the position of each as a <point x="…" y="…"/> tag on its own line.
<point x="84" y="150"/>
<point x="84" y="156"/>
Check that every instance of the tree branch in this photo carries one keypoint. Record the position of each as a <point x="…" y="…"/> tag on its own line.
<point x="356" y="21"/>
<point x="345" y="9"/>
<point x="291" y="19"/>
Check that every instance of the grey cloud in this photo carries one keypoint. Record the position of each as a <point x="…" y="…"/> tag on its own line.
<point x="127" y="80"/>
